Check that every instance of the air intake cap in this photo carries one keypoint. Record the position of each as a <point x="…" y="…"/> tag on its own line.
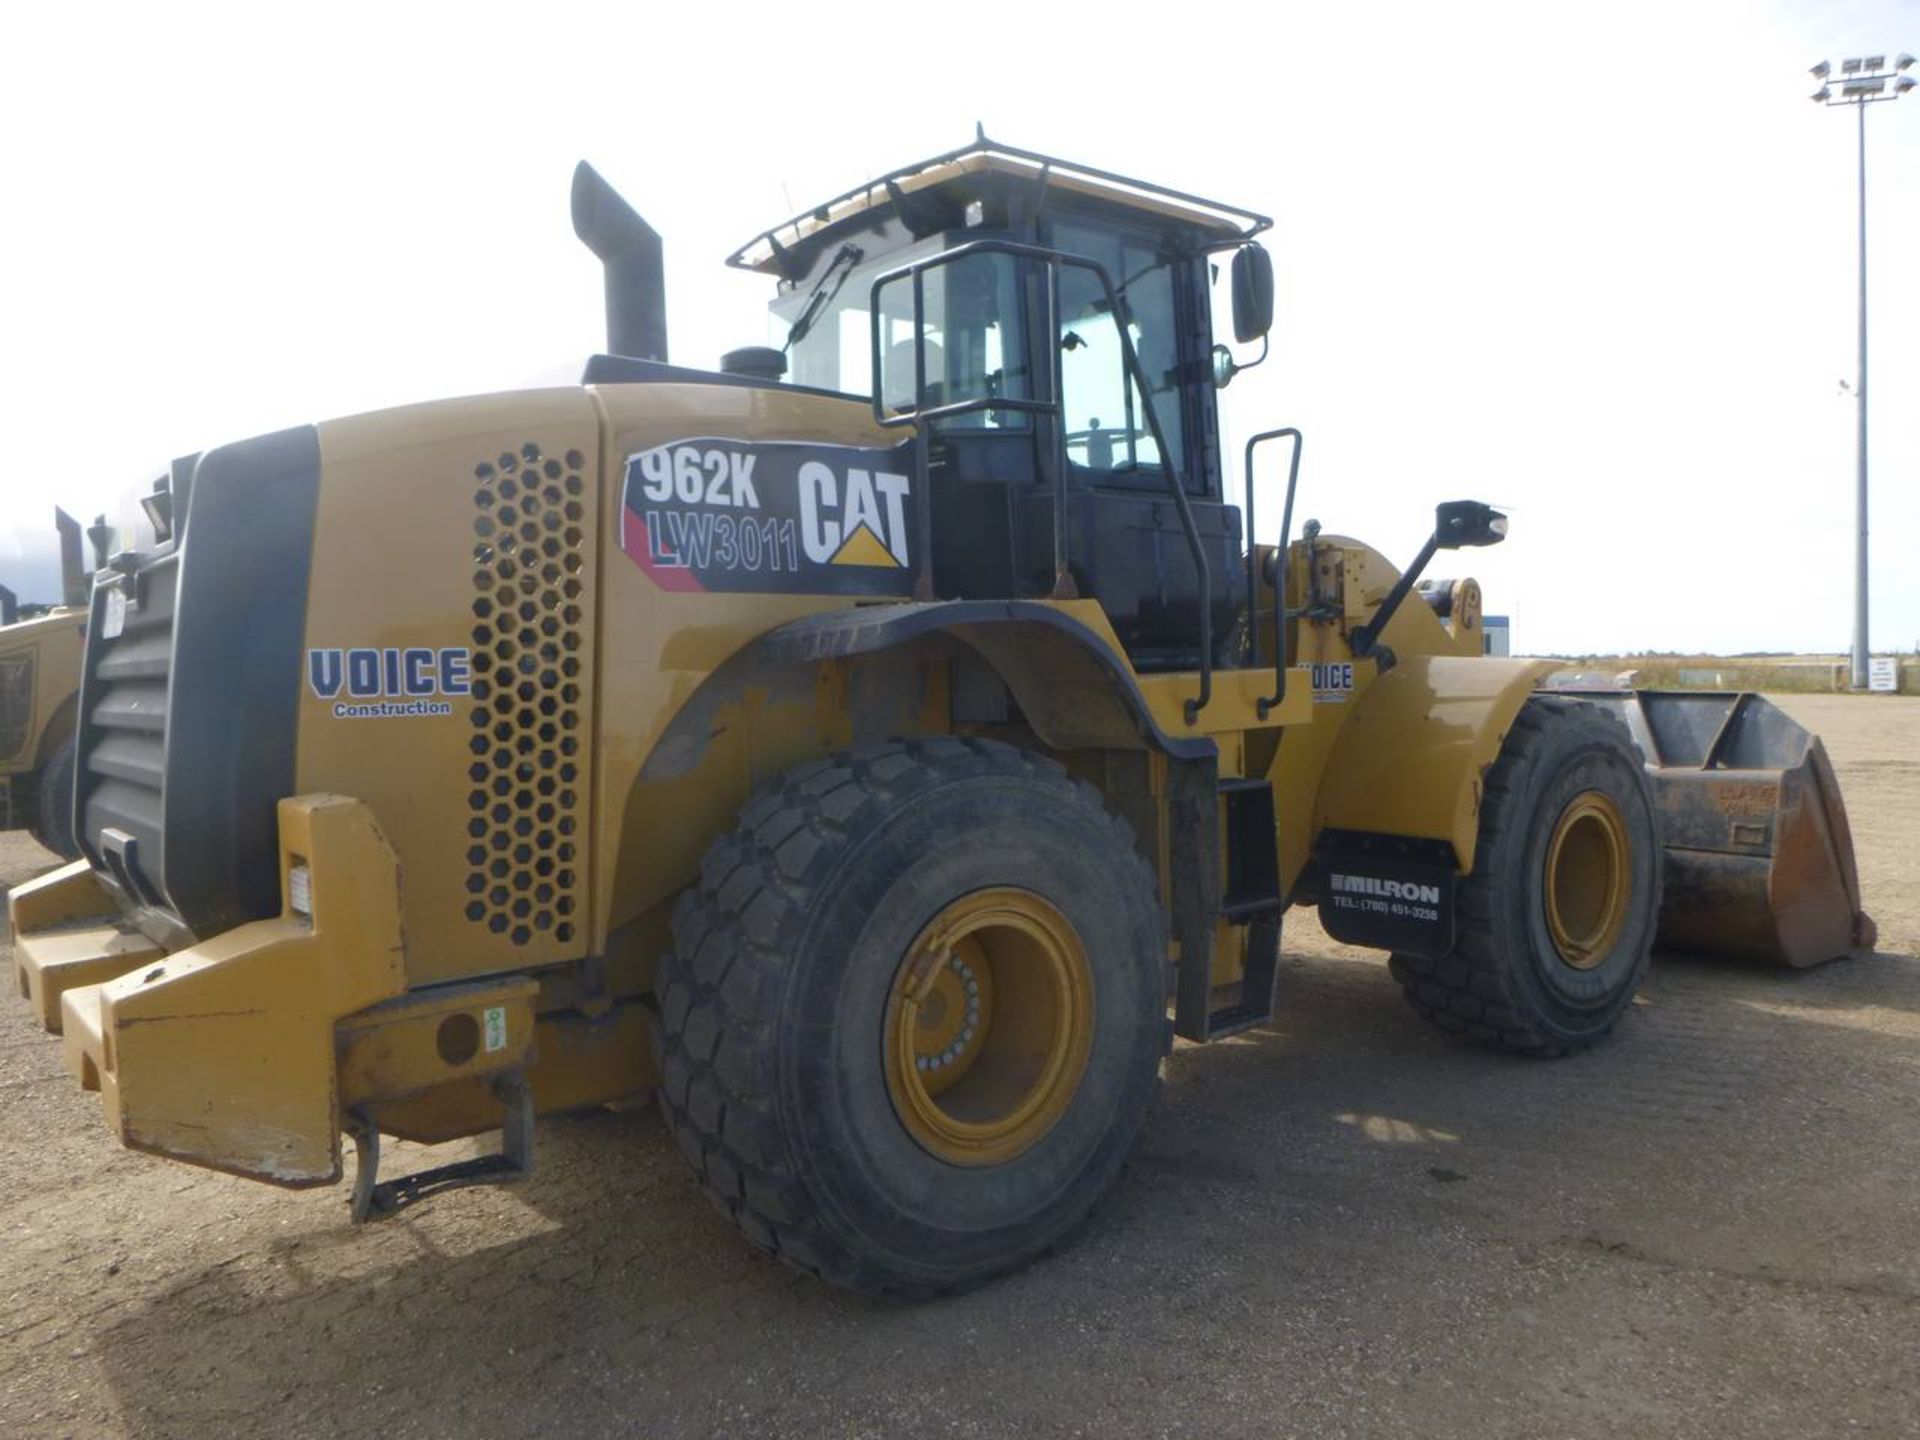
<point x="758" y="362"/>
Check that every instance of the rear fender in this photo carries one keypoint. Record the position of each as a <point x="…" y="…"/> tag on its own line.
<point x="1073" y="687"/>
<point x="827" y="681"/>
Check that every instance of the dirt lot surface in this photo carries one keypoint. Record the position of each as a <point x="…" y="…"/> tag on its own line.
<point x="1342" y="1225"/>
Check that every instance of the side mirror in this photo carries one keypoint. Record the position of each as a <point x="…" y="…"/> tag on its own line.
<point x="1458" y="524"/>
<point x="1252" y="293"/>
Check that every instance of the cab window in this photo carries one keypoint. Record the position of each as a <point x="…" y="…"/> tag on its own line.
<point x="1104" y="413"/>
<point x="973" y="340"/>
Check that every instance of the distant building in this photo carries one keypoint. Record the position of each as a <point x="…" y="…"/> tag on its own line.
<point x="1497" y="630"/>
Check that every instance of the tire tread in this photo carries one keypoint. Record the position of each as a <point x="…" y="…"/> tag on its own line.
<point x="1471" y="991"/>
<point x="721" y="985"/>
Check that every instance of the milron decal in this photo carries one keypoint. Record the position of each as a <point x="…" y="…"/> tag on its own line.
<point x="771" y="517"/>
<point x="1390" y="904"/>
<point x="1408" y="899"/>
<point x="367" y="684"/>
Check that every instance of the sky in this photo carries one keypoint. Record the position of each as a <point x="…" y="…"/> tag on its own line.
<point x="1594" y="264"/>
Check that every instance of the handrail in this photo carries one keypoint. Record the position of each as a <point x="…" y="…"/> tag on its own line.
<point x="829" y="214"/>
<point x="1263" y="705"/>
<point x="1136" y="375"/>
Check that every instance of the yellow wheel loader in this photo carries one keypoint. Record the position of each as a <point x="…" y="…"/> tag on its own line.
<point x="881" y="747"/>
<point x="39" y="700"/>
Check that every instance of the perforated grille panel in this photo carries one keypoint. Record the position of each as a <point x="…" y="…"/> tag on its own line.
<point x="524" y="832"/>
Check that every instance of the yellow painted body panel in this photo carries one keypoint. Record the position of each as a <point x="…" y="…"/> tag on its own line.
<point x="436" y="1036"/>
<point x="223" y="1053"/>
<point x="658" y="646"/>
<point x="395" y="567"/>
<point x="1409" y="760"/>
<point x="40" y="663"/>
<point x="68" y="958"/>
<point x="1295" y="772"/>
<point x="574" y="1062"/>
<point x="1322" y="774"/>
<point x="66" y="896"/>
<point x="1234" y="704"/>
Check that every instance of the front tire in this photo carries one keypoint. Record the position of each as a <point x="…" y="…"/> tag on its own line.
<point x="914" y="1014"/>
<point x="1558" y="917"/>
<point x="53" y="816"/>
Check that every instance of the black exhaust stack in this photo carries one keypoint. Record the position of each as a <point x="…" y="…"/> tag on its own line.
<point x="75" y="579"/>
<point x="629" y="248"/>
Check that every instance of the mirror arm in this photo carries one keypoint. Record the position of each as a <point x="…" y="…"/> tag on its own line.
<point x="1366" y="639"/>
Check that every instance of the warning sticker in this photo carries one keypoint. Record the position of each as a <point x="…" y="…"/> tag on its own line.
<point x="113" y="621"/>
<point x="771" y="517"/>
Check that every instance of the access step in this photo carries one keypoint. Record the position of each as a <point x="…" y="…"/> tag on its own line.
<point x="1251" y="898"/>
<point x="373" y="1197"/>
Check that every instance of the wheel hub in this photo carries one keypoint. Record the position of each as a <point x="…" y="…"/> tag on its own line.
<point x="989" y="1024"/>
<point x="1588" y="880"/>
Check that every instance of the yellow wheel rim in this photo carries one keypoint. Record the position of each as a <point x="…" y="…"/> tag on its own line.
<point x="1588" y="880"/>
<point x="989" y="1024"/>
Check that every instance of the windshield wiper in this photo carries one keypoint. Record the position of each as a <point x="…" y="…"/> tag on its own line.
<point x="820" y="297"/>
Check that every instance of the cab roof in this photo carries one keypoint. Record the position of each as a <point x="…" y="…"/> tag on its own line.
<point x="917" y="192"/>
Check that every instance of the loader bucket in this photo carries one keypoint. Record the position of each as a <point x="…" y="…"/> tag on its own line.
<point x="1759" y="857"/>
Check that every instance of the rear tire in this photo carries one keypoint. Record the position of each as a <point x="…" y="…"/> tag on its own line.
<point x="53" y="822"/>
<point x="783" y="1077"/>
<point x="1558" y="917"/>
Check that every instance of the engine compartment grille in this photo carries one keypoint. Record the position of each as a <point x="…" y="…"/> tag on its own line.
<point x="529" y="554"/>
<point x="128" y="675"/>
<point x="190" y="692"/>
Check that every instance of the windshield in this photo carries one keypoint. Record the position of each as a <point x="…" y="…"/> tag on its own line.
<point x="833" y="349"/>
<point x="974" y="345"/>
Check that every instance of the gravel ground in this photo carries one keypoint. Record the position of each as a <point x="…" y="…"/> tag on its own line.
<point x="1341" y="1225"/>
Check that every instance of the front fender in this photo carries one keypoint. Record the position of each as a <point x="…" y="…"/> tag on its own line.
<point x="1411" y="758"/>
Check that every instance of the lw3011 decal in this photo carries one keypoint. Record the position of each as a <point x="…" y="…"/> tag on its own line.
<point x="781" y="517"/>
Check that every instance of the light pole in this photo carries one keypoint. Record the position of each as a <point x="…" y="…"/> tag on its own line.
<point x="1864" y="81"/>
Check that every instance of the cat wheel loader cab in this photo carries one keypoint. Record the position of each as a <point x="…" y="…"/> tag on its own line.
<point x="879" y="747"/>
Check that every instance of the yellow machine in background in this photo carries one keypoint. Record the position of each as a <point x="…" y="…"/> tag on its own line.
<point x="39" y="700"/>
<point x="882" y="747"/>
